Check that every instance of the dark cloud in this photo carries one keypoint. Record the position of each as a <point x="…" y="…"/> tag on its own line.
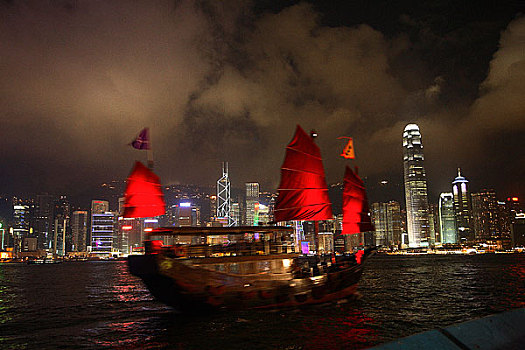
<point x="229" y="80"/>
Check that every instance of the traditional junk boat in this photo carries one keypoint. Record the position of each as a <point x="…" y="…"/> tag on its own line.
<point x="253" y="267"/>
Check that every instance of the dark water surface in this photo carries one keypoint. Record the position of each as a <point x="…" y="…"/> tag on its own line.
<point x="100" y="305"/>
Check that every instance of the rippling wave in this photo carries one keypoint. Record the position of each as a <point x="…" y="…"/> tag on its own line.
<point x="100" y="305"/>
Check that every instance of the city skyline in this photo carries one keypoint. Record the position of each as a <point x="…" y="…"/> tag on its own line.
<point x="75" y="94"/>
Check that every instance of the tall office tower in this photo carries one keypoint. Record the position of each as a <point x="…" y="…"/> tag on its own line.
<point x="504" y="223"/>
<point x="490" y="220"/>
<point x="79" y="221"/>
<point x="484" y="215"/>
<point x="418" y="226"/>
<point x="236" y="213"/>
<point x="102" y="232"/>
<point x="447" y="219"/>
<point x="22" y="217"/>
<point x="101" y="227"/>
<point x="252" y="203"/>
<point x="213" y="206"/>
<point x="223" y="195"/>
<point x="387" y="221"/>
<point x="462" y="208"/>
<point x="518" y="231"/>
<point x="62" y="229"/>
<point x="434" y="223"/>
<point x="513" y="208"/>
<point x="44" y="220"/>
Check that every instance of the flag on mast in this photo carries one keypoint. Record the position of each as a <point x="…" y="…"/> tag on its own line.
<point x="142" y="140"/>
<point x="348" y="151"/>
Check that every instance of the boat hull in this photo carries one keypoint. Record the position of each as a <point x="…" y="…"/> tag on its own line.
<point x="190" y="287"/>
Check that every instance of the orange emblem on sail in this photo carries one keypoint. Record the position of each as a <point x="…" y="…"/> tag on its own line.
<point x="348" y="151"/>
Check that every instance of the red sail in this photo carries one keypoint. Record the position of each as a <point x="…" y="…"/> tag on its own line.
<point x="355" y="205"/>
<point x="303" y="194"/>
<point x="143" y="196"/>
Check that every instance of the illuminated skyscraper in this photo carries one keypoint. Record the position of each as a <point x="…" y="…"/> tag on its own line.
<point x="102" y="227"/>
<point x="62" y="229"/>
<point x="44" y="220"/>
<point x="419" y="232"/>
<point x="386" y="218"/>
<point x="79" y="221"/>
<point x="447" y="219"/>
<point x="22" y="217"/>
<point x="252" y="203"/>
<point x="223" y="196"/>
<point x="462" y="208"/>
<point x="102" y="232"/>
<point x="490" y="220"/>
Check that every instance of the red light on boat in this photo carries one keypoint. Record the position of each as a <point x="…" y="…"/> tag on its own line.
<point x="127" y="227"/>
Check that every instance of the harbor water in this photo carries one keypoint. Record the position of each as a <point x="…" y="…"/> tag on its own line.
<point x="100" y="305"/>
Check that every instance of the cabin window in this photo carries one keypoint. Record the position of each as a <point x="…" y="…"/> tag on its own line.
<point x="234" y="268"/>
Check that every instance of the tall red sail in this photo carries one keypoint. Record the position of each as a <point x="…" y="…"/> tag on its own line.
<point x="355" y="205"/>
<point x="303" y="194"/>
<point x="143" y="196"/>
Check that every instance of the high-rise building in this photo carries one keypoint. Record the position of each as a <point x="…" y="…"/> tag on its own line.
<point x="435" y="232"/>
<point x="518" y="230"/>
<point x="484" y="210"/>
<point x="252" y="203"/>
<point x="235" y="213"/>
<point x="44" y="220"/>
<point x="418" y="225"/>
<point x="223" y="196"/>
<point x="462" y="208"/>
<point x="102" y="228"/>
<point x="386" y="218"/>
<point x="22" y="217"/>
<point x="490" y="220"/>
<point x="505" y="220"/>
<point x="447" y="219"/>
<point x="79" y="221"/>
<point x="62" y="229"/>
<point x="513" y="208"/>
<point x="102" y="232"/>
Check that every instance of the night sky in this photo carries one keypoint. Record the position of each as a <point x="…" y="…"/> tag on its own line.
<point x="229" y="80"/>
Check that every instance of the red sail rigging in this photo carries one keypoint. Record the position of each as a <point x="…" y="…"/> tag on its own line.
<point x="355" y="205"/>
<point x="303" y="194"/>
<point x="143" y="196"/>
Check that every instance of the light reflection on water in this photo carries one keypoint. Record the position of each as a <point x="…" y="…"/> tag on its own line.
<point x="99" y="304"/>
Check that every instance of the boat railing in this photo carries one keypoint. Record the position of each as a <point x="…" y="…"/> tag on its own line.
<point x="256" y="248"/>
<point x="190" y="242"/>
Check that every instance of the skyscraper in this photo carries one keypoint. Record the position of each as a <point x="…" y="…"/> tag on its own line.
<point x="79" y="230"/>
<point x="490" y="220"/>
<point x="387" y="221"/>
<point x="62" y="229"/>
<point x="415" y="188"/>
<point x="44" y="220"/>
<point x="252" y="201"/>
<point x="102" y="227"/>
<point x="22" y="217"/>
<point x="462" y="208"/>
<point x="447" y="219"/>
<point x="223" y="196"/>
